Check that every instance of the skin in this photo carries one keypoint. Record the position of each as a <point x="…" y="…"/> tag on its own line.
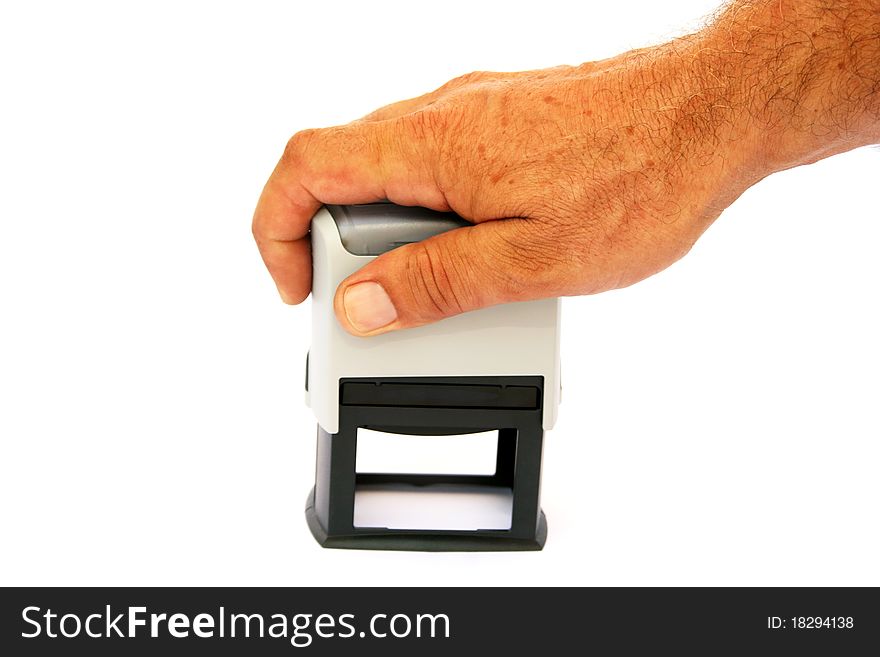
<point x="578" y="179"/>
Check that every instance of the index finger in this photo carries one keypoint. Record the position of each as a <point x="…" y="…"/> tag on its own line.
<point x="332" y="165"/>
<point x="280" y="227"/>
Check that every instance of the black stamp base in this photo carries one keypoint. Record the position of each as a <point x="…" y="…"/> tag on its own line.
<point x="433" y="406"/>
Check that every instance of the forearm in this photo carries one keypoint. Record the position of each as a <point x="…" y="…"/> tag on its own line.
<point x="802" y="77"/>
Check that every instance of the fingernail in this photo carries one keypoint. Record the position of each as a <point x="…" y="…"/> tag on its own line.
<point x="368" y="306"/>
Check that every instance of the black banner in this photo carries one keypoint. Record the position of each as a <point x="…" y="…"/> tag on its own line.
<point x="418" y="621"/>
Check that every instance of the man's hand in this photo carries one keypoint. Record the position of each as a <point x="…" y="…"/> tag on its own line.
<point x="577" y="179"/>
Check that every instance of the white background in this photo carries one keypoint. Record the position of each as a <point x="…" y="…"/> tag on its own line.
<point x="719" y="422"/>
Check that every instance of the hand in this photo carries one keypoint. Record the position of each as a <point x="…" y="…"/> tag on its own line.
<point x="577" y="179"/>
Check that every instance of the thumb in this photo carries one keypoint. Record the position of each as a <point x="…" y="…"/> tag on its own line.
<point x="464" y="269"/>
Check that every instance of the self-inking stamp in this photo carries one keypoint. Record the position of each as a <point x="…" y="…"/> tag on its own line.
<point x="491" y="369"/>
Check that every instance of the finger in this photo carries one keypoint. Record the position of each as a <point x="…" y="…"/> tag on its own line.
<point x="464" y="269"/>
<point x="356" y="163"/>
<point x="280" y="228"/>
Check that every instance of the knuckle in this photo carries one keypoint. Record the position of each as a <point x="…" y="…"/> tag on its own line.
<point x="467" y="78"/>
<point x="298" y="144"/>
<point x="458" y="81"/>
<point x="472" y="77"/>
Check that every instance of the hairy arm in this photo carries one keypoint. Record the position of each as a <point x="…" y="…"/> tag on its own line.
<point x="805" y="72"/>
<point x="579" y="179"/>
